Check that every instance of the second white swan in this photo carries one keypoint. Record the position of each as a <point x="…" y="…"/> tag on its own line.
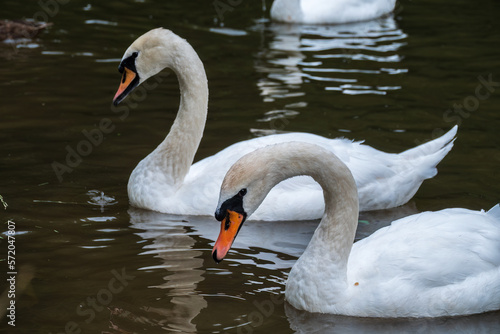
<point x="165" y="180"/>
<point x="431" y="264"/>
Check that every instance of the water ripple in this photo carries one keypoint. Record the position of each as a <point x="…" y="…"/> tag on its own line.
<point x="356" y="56"/>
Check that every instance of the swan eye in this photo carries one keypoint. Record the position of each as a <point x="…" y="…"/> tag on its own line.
<point x="242" y="192"/>
<point x="135" y="54"/>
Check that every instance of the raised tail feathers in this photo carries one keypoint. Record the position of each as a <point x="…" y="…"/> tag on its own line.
<point x="441" y="144"/>
<point x="417" y="165"/>
<point x="495" y="212"/>
<point x="427" y="156"/>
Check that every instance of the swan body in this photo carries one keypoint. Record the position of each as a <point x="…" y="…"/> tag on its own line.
<point x="329" y="12"/>
<point x="165" y="180"/>
<point x="431" y="264"/>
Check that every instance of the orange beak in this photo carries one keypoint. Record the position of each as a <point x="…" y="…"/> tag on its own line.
<point x="229" y="228"/>
<point x="125" y="85"/>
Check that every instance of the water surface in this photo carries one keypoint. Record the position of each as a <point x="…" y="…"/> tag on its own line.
<point x="89" y="261"/>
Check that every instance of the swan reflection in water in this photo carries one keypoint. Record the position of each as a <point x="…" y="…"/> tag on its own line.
<point x="305" y="322"/>
<point x="352" y="59"/>
<point x="183" y="244"/>
<point x="168" y="238"/>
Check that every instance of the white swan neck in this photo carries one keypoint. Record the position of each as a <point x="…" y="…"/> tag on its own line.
<point x="282" y="161"/>
<point x="176" y="153"/>
<point x="321" y="272"/>
<point x="323" y="265"/>
<point x="328" y="251"/>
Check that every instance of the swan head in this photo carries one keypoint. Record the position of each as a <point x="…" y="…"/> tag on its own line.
<point x="232" y="215"/>
<point x="245" y="187"/>
<point x="145" y="57"/>
<point x="241" y="193"/>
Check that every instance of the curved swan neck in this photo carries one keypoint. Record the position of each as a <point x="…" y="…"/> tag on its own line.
<point x="335" y="234"/>
<point x="176" y="153"/>
<point x="328" y="251"/>
<point x="327" y="254"/>
<point x="282" y="161"/>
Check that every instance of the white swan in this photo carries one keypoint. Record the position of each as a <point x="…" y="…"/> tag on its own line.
<point x="330" y="11"/>
<point x="165" y="181"/>
<point x="430" y="264"/>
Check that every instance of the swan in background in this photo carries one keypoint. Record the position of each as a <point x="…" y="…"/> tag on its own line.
<point x="431" y="264"/>
<point x="329" y="12"/>
<point x="165" y="181"/>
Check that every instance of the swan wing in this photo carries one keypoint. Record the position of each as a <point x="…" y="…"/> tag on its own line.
<point x="450" y="257"/>
<point x="384" y="180"/>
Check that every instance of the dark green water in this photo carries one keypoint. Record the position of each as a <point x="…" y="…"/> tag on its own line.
<point x="88" y="261"/>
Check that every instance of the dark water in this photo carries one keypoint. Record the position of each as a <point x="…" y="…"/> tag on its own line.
<point x="87" y="261"/>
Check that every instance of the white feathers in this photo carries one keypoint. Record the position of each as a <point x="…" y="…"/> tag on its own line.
<point x="330" y="11"/>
